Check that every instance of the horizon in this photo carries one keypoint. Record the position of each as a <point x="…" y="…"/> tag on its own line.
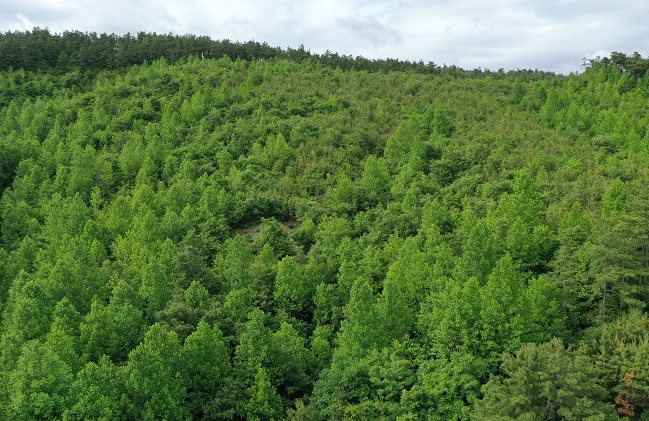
<point x="510" y="34"/>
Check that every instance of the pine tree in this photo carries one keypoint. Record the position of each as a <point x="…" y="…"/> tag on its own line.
<point x="544" y="381"/>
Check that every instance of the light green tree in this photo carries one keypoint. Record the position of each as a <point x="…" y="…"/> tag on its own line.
<point x="156" y="384"/>
<point x="291" y="292"/>
<point x="99" y="393"/>
<point x="206" y="367"/>
<point x="263" y="403"/>
<point x="38" y="385"/>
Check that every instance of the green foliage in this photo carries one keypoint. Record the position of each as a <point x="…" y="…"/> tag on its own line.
<point x="155" y="383"/>
<point x="479" y="249"/>
<point x="272" y="233"/>
<point x="544" y="381"/>
<point x="503" y="308"/>
<point x="403" y="288"/>
<point x="361" y="330"/>
<point x="206" y="365"/>
<point x="98" y="392"/>
<point x="264" y="404"/>
<point x="38" y="385"/>
<point x="290" y="363"/>
<point x="620" y="351"/>
<point x="441" y="123"/>
<point x="375" y="182"/>
<point x="292" y="294"/>
<point x="446" y="388"/>
<point x="111" y="330"/>
<point x="343" y="198"/>
<point x="239" y="231"/>
<point x="253" y="350"/>
<point x="618" y="260"/>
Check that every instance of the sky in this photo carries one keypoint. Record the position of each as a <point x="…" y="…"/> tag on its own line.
<point x="551" y="35"/>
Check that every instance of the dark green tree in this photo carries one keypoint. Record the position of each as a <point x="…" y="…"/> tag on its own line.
<point x="544" y="381"/>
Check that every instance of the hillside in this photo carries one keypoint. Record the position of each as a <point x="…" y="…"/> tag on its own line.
<point x="285" y="237"/>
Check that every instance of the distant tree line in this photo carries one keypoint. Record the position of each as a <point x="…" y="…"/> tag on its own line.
<point x="39" y="49"/>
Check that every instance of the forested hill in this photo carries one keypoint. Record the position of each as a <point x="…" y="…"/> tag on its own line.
<point x="40" y="49"/>
<point x="265" y="239"/>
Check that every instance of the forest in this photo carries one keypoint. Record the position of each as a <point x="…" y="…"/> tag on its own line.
<point x="211" y="230"/>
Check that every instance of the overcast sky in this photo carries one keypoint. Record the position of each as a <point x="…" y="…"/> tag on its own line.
<point x="549" y="35"/>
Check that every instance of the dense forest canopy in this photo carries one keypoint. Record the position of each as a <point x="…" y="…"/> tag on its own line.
<point x="39" y="49"/>
<point x="198" y="229"/>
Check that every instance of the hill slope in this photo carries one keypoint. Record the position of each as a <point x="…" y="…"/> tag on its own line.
<point x="230" y="239"/>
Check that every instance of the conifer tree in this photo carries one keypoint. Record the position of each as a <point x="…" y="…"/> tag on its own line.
<point x="544" y="381"/>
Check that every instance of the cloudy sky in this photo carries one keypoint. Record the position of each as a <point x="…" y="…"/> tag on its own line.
<point x="549" y="35"/>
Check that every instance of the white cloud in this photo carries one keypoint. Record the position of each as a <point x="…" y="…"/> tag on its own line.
<point x="21" y="23"/>
<point x="549" y="35"/>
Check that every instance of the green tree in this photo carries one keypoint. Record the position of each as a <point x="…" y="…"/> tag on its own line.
<point x="292" y="293"/>
<point x="450" y="319"/>
<point x="206" y="366"/>
<point x="613" y="265"/>
<point x="252" y="351"/>
<point x="544" y="382"/>
<point x="445" y="388"/>
<point x="504" y="312"/>
<point x="441" y="123"/>
<point x="62" y="341"/>
<point x="620" y="353"/>
<point x="360" y="331"/>
<point x="263" y="404"/>
<point x="272" y="232"/>
<point x="375" y="181"/>
<point x="304" y="235"/>
<point x="99" y="392"/>
<point x="403" y="288"/>
<point x="27" y="316"/>
<point x="277" y="153"/>
<point x="114" y="329"/>
<point x="346" y="381"/>
<point x="330" y="233"/>
<point x="615" y="199"/>
<point x="237" y="305"/>
<point x="479" y="249"/>
<point x="570" y="270"/>
<point x="406" y="139"/>
<point x="156" y="384"/>
<point x="237" y="260"/>
<point x="320" y="347"/>
<point x="263" y="273"/>
<point x="156" y="286"/>
<point x="38" y="385"/>
<point x="391" y="375"/>
<point x="343" y="197"/>
<point x="290" y="363"/>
